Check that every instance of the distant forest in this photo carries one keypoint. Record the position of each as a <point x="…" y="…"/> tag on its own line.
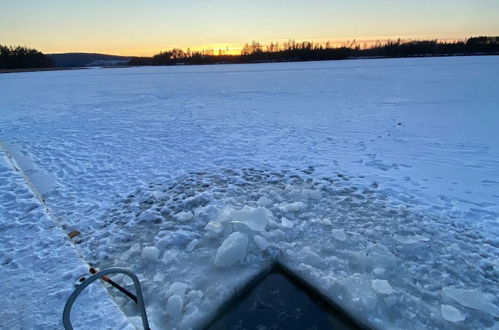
<point x="255" y="52"/>
<point x="23" y="57"/>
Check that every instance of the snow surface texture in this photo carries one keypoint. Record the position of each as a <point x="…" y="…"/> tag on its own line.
<point x="376" y="181"/>
<point x="38" y="266"/>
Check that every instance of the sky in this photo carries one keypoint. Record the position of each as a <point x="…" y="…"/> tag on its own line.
<point x="146" y="27"/>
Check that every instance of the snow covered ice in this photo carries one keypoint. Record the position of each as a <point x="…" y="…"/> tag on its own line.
<point x="376" y="181"/>
<point x="39" y="267"/>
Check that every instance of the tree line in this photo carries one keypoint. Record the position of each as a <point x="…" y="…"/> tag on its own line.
<point x="23" y="57"/>
<point x="291" y="50"/>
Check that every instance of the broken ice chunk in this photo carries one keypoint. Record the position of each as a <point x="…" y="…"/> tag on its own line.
<point x="309" y="257"/>
<point x="378" y="271"/>
<point x="356" y="288"/>
<point x="381" y="286"/>
<point x="195" y="294"/>
<point x="471" y="298"/>
<point x="169" y="255"/>
<point x="276" y="234"/>
<point x="159" y="278"/>
<point x="214" y="227"/>
<point x="192" y="245"/>
<point x="406" y="239"/>
<point x="135" y="247"/>
<point x="174" y="306"/>
<point x="422" y="238"/>
<point x="232" y="250"/>
<point x="150" y="253"/>
<point x="451" y="313"/>
<point x="326" y="222"/>
<point x="287" y="223"/>
<point x="177" y="288"/>
<point x="184" y="216"/>
<point x="264" y="201"/>
<point x="379" y="256"/>
<point x="311" y="193"/>
<point x="149" y="215"/>
<point x="255" y="218"/>
<point x="292" y="207"/>
<point x="339" y="234"/>
<point x="261" y="242"/>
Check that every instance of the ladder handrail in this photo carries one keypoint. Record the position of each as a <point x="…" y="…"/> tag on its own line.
<point x="66" y="321"/>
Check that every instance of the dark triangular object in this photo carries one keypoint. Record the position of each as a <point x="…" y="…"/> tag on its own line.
<point x="279" y="300"/>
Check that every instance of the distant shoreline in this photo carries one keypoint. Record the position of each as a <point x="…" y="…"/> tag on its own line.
<point x="20" y="59"/>
<point x="229" y="63"/>
<point x="37" y="69"/>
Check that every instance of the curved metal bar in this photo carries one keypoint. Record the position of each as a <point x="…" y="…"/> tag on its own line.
<point x="66" y="321"/>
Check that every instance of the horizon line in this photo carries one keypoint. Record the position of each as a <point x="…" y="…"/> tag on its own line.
<point x="235" y="48"/>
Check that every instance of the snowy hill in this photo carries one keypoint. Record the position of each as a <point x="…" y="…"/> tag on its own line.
<point x="87" y="59"/>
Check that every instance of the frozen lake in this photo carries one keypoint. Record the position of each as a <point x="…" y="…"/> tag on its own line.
<point x="375" y="180"/>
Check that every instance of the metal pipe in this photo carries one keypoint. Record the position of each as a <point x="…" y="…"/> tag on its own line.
<point x="66" y="320"/>
<point x="114" y="284"/>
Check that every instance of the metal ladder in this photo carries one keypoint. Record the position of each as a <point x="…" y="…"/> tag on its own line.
<point x="66" y="321"/>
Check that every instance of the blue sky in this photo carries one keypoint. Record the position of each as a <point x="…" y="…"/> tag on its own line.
<point x="144" y="27"/>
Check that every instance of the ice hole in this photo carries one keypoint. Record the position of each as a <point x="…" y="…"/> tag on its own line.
<point x="278" y="299"/>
